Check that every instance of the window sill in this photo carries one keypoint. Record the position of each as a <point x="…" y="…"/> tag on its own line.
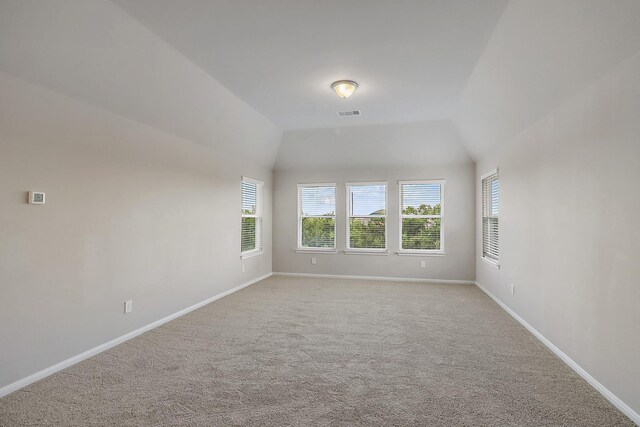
<point x="366" y="252"/>
<point x="250" y="254"/>
<point x="316" y="251"/>
<point x="491" y="262"/>
<point x="421" y="253"/>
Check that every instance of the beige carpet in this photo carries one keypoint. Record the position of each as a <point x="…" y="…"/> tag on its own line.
<point x="291" y="351"/>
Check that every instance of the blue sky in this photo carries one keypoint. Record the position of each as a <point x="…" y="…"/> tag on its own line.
<point x="318" y="200"/>
<point x="366" y="198"/>
<point x="249" y="190"/>
<point x="420" y="194"/>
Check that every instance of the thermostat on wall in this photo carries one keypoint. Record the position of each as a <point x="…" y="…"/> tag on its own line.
<point x="36" y="198"/>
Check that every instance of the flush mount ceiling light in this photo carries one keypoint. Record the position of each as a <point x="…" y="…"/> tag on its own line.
<point x="344" y="88"/>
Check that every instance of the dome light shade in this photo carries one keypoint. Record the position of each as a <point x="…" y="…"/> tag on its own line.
<point x="344" y="88"/>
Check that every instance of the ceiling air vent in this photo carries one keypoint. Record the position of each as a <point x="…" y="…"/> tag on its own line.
<point x="348" y="113"/>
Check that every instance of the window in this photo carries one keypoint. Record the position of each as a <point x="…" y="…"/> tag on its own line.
<point x="421" y="211"/>
<point x="317" y="216"/>
<point x="367" y="216"/>
<point x="251" y="231"/>
<point x="490" y="196"/>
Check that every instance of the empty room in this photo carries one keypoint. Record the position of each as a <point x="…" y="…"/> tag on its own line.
<point x="319" y="213"/>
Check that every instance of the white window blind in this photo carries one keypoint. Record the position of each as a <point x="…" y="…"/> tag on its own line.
<point x="317" y="216"/>
<point x="490" y="213"/>
<point x="367" y="216"/>
<point x="251" y="230"/>
<point x="421" y="210"/>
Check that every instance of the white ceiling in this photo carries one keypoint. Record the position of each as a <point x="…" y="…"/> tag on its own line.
<point x="412" y="58"/>
<point x="95" y="52"/>
<point x="538" y="55"/>
<point x="542" y="53"/>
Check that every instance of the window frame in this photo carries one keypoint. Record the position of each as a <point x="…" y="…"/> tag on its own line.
<point x="426" y="252"/>
<point x="308" y="249"/>
<point x="494" y="261"/>
<point x="367" y="251"/>
<point x="258" y="216"/>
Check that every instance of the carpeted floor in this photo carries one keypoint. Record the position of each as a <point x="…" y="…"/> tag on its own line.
<point x="307" y="352"/>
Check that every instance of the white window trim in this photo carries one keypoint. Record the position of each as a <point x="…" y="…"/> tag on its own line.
<point x="258" y="216"/>
<point x="306" y="249"/>
<point x="488" y="174"/>
<point x="491" y="261"/>
<point x="422" y="252"/>
<point x="368" y="251"/>
<point x="251" y="253"/>
<point x="316" y="251"/>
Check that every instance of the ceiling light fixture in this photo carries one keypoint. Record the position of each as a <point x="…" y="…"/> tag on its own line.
<point x="344" y="88"/>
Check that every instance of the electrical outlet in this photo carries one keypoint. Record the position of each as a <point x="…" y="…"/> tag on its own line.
<point x="128" y="306"/>
<point x="242" y="267"/>
<point x="314" y="260"/>
<point x="513" y="289"/>
<point x="423" y="264"/>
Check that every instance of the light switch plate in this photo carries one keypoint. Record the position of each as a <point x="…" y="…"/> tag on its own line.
<point x="36" y="198"/>
<point x="128" y="306"/>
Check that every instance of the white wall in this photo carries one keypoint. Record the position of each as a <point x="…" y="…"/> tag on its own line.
<point x="554" y="103"/>
<point x="131" y="213"/>
<point x="410" y="151"/>
<point x="140" y="154"/>
<point x="569" y="234"/>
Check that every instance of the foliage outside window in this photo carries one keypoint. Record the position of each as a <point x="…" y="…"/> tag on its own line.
<point x="317" y="216"/>
<point x="251" y="230"/>
<point x="367" y="216"/>
<point x="421" y="216"/>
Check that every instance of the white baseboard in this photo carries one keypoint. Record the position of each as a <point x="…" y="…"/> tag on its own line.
<point x="10" y="388"/>
<point x="615" y="400"/>
<point x="378" y="278"/>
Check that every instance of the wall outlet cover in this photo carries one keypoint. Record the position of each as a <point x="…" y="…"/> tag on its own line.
<point x="128" y="306"/>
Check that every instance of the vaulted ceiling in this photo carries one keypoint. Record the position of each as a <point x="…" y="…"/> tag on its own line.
<point x="232" y="74"/>
<point x="494" y="67"/>
<point x="542" y="53"/>
<point x="411" y="58"/>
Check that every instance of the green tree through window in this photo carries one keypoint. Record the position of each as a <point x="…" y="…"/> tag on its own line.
<point x="421" y="216"/>
<point x="317" y="216"/>
<point x="421" y="233"/>
<point x="367" y="215"/>
<point x="248" y="234"/>
<point x="251" y="208"/>
<point x="318" y="232"/>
